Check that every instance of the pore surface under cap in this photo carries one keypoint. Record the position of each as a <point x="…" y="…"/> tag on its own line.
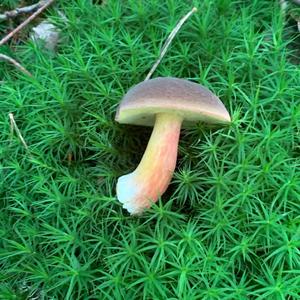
<point x="192" y="101"/>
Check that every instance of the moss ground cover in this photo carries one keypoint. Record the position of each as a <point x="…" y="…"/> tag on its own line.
<point x="228" y="226"/>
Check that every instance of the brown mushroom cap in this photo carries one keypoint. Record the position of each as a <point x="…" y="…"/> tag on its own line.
<point x="192" y="101"/>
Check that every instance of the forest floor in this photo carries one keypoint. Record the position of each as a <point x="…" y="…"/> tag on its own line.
<point x="228" y="226"/>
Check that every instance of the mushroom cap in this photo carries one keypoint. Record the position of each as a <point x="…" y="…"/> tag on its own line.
<point x="192" y="101"/>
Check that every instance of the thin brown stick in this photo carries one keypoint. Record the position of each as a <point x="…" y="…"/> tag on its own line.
<point x="22" y="10"/>
<point x="14" y="126"/>
<point x="28" y="20"/>
<point x="15" y="63"/>
<point x="168" y="42"/>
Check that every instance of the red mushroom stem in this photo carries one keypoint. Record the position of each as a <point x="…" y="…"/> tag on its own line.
<point x="151" y="178"/>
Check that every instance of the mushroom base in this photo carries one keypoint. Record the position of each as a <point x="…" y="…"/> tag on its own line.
<point x="151" y="178"/>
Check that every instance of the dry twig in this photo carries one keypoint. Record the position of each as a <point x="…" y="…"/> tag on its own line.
<point x="15" y="63"/>
<point x="22" y="10"/>
<point x="14" y="126"/>
<point x="28" y="20"/>
<point x="168" y="42"/>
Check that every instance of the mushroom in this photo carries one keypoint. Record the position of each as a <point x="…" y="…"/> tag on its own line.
<point x="167" y="104"/>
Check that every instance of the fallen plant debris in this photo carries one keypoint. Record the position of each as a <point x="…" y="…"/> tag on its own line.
<point x="46" y="34"/>
<point x="14" y="127"/>
<point x="15" y="63"/>
<point x="45" y="5"/>
<point x="169" y="41"/>
<point x="22" y="10"/>
<point x="40" y="6"/>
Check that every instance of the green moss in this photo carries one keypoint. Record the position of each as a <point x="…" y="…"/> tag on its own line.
<point x="228" y="226"/>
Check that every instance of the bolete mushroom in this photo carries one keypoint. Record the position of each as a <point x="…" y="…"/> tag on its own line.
<point x="167" y="104"/>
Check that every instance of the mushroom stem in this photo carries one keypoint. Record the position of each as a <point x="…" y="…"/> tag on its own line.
<point x="151" y="178"/>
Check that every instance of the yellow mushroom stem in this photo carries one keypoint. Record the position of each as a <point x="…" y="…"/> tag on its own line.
<point x="151" y="178"/>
